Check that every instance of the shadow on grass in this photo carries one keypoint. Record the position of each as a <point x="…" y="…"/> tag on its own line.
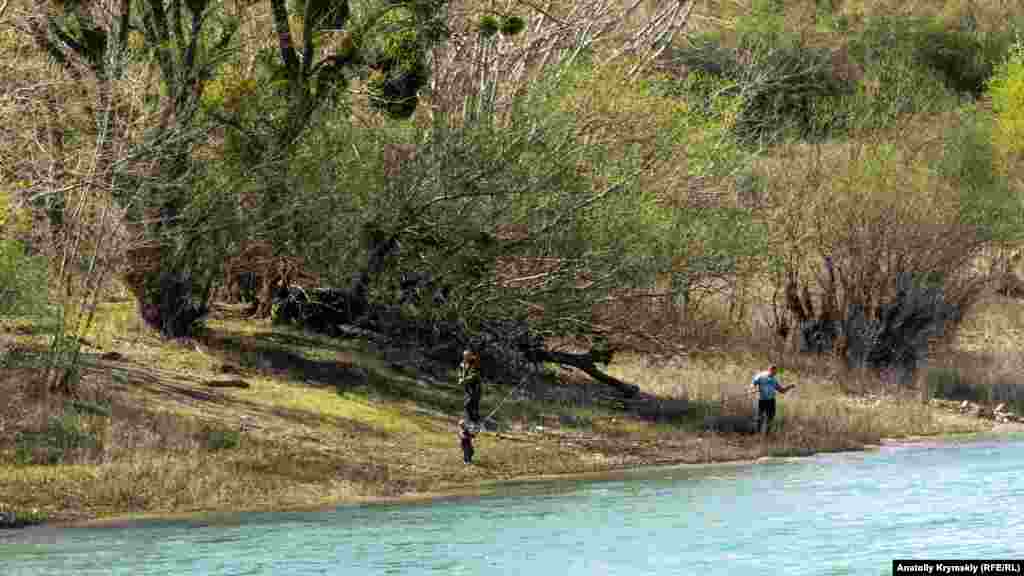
<point x="285" y="352"/>
<point x="354" y="371"/>
<point x="191" y="392"/>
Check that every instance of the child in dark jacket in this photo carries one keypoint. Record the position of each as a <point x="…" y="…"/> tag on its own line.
<point x="466" y="440"/>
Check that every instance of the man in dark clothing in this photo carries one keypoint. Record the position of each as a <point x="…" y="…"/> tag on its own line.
<point x="469" y="378"/>
<point x="466" y="440"/>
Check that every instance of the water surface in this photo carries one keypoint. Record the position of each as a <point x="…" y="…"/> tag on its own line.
<point x="850" y="513"/>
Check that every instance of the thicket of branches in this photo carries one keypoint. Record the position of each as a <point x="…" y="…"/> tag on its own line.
<point x="507" y="176"/>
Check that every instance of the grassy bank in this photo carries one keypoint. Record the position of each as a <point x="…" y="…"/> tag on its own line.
<point x="324" y="421"/>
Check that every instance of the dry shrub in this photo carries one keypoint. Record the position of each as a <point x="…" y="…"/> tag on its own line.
<point x="854" y="222"/>
<point x="479" y="75"/>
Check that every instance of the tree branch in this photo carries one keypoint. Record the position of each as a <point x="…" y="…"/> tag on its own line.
<point x="284" y="38"/>
<point x="586" y="363"/>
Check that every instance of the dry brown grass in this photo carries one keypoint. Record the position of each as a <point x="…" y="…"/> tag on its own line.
<point x="984" y="361"/>
<point x="819" y="415"/>
<point x="311" y="439"/>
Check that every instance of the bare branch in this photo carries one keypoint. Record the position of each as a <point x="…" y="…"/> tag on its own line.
<point x="474" y="75"/>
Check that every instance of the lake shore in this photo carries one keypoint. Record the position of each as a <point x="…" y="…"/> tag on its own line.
<point x="487" y="487"/>
<point x="321" y="423"/>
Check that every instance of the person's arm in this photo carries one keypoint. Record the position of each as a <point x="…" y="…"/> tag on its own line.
<point x="783" y="389"/>
<point x="473" y="381"/>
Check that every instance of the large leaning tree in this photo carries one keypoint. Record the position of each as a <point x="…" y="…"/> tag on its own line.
<point x="326" y="52"/>
<point x="169" y="170"/>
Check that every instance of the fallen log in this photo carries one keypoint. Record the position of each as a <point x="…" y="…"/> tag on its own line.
<point x="233" y="383"/>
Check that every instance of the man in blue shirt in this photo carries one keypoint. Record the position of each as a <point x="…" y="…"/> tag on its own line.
<point x="766" y="385"/>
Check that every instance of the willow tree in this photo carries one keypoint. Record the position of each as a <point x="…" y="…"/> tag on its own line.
<point x="324" y="48"/>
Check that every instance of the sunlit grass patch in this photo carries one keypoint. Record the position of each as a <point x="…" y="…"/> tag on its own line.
<point x="115" y="322"/>
<point x="327" y="402"/>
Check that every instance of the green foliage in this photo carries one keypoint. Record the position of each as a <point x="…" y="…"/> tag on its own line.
<point x="327" y="14"/>
<point x="1007" y="91"/>
<point x="963" y="58"/>
<point x="64" y="437"/>
<point x="488" y="25"/>
<point x="570" y="200"/>
<point x="395" y="51"/>
<point x="764" y="18"/>
<point x="23" y="281"/>
<point x="23" y="277"/>
<point x="512" y="25"/>
<point x="785" y="87"/>
<point x="914" y="65"/>
<point x="16" y="518"/>
<point x="507" y="24"/>
<point x="778" y="85"/>
<point x="279" y="124"/>
<point x="970" y="161"/>
<point x="214" y="439"/>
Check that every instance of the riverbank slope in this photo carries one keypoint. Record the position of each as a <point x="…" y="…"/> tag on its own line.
<point x="253" y="416"/>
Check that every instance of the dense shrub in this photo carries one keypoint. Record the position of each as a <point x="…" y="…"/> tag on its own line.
<point x="963" y="58"/>
<point x="959" y="384"/>
<point x="915" y="64"/>
<point x="780" y="85"/>
<point x="948" y="383"/>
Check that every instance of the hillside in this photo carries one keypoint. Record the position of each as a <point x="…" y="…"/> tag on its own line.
<point x="239" y="259"/>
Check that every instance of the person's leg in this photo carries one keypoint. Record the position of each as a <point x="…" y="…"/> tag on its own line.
<point x="770" y="414"/>
<point x="762" y="416"/>
<point x="467" y="449"/>
<point x="467" y="406"/>
<point x="474" y="408"/>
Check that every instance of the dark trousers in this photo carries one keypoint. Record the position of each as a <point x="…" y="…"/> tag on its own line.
<point x="467" y="448"/>
<point x="472" y="406"/>
<point x="765" y="413"/>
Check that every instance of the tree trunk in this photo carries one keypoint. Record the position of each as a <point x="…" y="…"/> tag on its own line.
<point x="587" y="363"/>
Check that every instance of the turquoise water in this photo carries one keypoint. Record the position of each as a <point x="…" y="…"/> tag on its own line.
<point x="849" y="513"/>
